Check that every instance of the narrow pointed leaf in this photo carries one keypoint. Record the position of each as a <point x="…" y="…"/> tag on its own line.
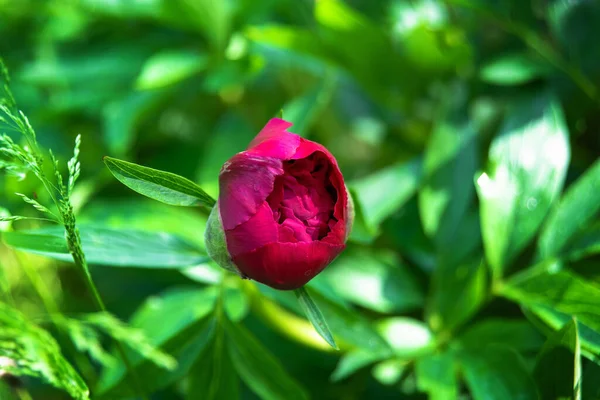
<point x="314" y="316"/>
<point x="159" y="185"/>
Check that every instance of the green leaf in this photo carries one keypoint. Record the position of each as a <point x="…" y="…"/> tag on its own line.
<point x="236" y="302"/>
<point x="159" y="185"/>
<point x="314" y="316"/>
<point x="178" y="323"/>
<point x="548" y="320"/>
<point x="389" y="372"/>
<point x="111" y="247"/>
<point x="303" y="111"/>
<point x="558" y="365"/>
<point x="380" y="194"/>
<point x="354" y="360"/>
<point x="519" y="334"/>
<point x="585" y="244"/>
<point x="261" y="372"/>
<point x="349" y="326"/>
<point x="527" y="164"/>
<point x="560" y="290"/>
<point x="31" y="351"/>
<point x="170" y="67"/>
<point x="578" y="207"/>
<point x="514" y="69"/>
<point x="458" y="291"/>
<point x="408" y="338"/>
<point x="449" y="165"/>
<point x="591" y="381"/>
<point x="373" y="279"/>
<point x="436" y="375"/>
<point x="213" y="376"/>
<point x="497" y="372"/>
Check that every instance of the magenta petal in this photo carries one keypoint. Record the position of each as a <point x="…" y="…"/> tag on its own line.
<point x="287" y="266"/>
<point x="258" y="231"/>
<point x="245" y="183"/>
<point x="275" y="141"/>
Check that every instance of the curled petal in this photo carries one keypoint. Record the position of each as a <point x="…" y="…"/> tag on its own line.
<point x="275" y="141"/>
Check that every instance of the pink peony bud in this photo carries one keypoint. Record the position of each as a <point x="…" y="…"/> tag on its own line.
<point x="283" y="212"/>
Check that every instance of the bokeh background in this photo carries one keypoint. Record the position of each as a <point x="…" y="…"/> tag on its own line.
<point x="458" y="125"/>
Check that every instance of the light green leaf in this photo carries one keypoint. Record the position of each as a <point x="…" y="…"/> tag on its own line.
<point x="236" y="303"/>
<point x="514" y="69"/>
<point x="518" y="333"/>
<point x="263" y="374"/>
<point x="436" y="375"/>
<point x="497" y="373"/>
<point x="31" y="351"/>
<point x="558" y="365"/>
<point x="528" y="160"/>
<point x="373" y="279"/>
<point x="389" y="372"/>
<point x="111" y="247"/>
<point x="355" y="360"/>
<point x="578" y="207"/>
<point x="170" y="67"/>
<point x="449" y="166"/>
<point x="159" y="185"/>
<point x="548" y="320"/>
<point x="408" y="338"/>
<point x="382" y="193"/>
<point x="315" y="317"/>
<point x="560" y="290"/>
<point x="177" y="322"/>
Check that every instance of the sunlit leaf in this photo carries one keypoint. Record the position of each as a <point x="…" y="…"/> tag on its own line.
<point x="111" y="247"/>
<point x="527" y="165"/>
<point x="170" y="67"/>
<point x="380" y="194"/>
<point x="373" y="279"/>
<point x="514" y="69"/>
<point x="407" y="337"/>
<point x="163" y="186"/>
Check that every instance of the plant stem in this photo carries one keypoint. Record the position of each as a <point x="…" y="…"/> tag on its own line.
<point x="76" y="250"/>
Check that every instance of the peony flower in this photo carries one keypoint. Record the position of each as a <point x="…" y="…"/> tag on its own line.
<point x="283" y="212"/>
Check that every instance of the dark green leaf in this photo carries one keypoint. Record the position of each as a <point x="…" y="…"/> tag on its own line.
<point x="159" y="185"/>
<point x="578" y="207"/>
<point x="28" y="350"/>
<point x="527" y="164"/>
<point x="315" y="317"/>
<point x="519" y="334"/>
<point x="449" y="167"/>
<point x="111" y="247"/>
<point x="497" y="372"/>
<point x="177" y="322"/>
<point x="305" y="109"/>
<point x="558" y="366"/>
<point x="261" y="372"/>
<point x="458" y="291"/>
<point x="213" y="376"/>
<point x="436" y="375"/>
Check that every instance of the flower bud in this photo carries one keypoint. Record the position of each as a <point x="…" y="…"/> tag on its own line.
<point x="283" y="213"/>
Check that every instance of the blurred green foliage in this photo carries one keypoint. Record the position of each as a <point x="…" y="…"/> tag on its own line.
<point x="468" y="134"/>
